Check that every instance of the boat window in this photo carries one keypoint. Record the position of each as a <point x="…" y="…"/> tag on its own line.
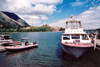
<point x="85" y="37"/>
<point x="66" y="37"/>
<point x="75" y="36"/>
<point x="7" y="37"/>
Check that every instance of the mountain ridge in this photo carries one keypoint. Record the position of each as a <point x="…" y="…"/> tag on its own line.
<point x="11" y="20"/>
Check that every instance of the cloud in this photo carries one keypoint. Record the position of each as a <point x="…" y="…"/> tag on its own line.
<point x="34" y="19"/>
<point x="93" y="2"/>
<point x="32" y="11"/>
<point x="81" y="3"/>
<point x="59" y="11"/>
<point x="90" y="19"/>
<point x="97" y="0"/>
<point x="60" y="23"/>
<point x="38" y="9"/>
<point x="77" y="3"/>
<point x="47" y="1"/>
<point x="25" y="7"/>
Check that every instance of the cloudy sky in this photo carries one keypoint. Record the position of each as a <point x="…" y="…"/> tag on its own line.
<point x="55" y="12"/>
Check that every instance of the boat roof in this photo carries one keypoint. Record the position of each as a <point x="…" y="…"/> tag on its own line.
<point x="74" y="33"/>
<point x="5" y="35"/>
<point x="71" y="21"/>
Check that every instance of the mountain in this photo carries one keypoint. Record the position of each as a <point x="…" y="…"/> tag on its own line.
<point x="56" y="29"/>
<point x="11" y="20"/>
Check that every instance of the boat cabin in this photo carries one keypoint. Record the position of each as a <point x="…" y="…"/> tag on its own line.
<point x="5" y="37"/>
<point x="73" y="24"/>
<point x="24" y="41"/>
<point x="74" y="33"/>
<point x="80" y="38"/>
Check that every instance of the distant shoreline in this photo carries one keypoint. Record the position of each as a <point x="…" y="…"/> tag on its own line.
<point x="31" y="32"/>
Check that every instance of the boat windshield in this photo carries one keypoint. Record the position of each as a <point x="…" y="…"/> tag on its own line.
<point x="85" y="37"/>
<point x="75" y="36"/>
<point x="66" y="37"/>
<point x="7" y="37"/>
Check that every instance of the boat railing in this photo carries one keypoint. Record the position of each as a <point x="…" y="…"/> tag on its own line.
<point x="74" y="26"/>
<point x="23" y="39"/>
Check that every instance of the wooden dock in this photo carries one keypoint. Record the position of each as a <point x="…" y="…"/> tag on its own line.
<point x="98" y="44"/>
<point x="2" y="48"/>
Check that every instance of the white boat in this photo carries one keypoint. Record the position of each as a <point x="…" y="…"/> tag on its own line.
<point x="5" y="40"/>
<point x="74" y="40"/>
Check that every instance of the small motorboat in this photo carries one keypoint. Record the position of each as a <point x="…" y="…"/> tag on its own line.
<point x="18" y="47"/>
<point x="24" y="45"/>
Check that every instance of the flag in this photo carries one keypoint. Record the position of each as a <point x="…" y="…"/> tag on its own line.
<point x="71" y="16"/>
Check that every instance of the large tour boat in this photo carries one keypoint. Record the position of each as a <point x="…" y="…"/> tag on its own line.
<point x="75" y="41"/>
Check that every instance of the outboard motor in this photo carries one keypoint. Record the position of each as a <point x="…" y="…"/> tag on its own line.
<point x="34" y="42"/>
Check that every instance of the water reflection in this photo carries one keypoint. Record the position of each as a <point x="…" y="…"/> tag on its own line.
<point x="91" y="58"/>
<point x="64" y="56"/>
<point x="15" y="53"/>
<point x="49" y="53"/>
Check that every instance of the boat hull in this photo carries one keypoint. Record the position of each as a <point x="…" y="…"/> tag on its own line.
<point x="11" y="43"/>
<point x="12" y="48"/>
<point x="73" y="50"/>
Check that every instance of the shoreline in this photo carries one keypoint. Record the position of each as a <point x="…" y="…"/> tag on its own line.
<point x="31" y="32"/>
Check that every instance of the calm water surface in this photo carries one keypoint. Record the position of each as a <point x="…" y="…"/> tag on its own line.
<point x="48" y="53"/>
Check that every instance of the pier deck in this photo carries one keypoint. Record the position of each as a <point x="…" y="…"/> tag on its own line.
<point x="2" y="48"/>
<point x="98" y="44"/>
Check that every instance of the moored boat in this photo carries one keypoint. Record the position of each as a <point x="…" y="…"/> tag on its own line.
<point x="11" y="43"/>
<point x="6" y="39"/>
<point x="18" y="47"/>
<point x="74" y="40"/>
<point x="24" y="45"/>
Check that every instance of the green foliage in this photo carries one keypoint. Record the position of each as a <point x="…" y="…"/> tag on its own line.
<point x="42" y="29"/>
<point x="30" y="29"/>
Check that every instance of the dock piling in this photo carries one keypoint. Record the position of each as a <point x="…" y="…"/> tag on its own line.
<point x="95" y="42"/>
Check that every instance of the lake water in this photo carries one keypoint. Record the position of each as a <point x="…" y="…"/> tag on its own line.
<point x="48" y="53"/>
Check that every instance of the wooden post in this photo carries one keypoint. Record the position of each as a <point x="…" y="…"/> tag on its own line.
<point x="80" y="25"/>
<point x="71" y="24"/>
<point x="66" y="24"/>
<point x="76" y="25"/>
<point x="95" y="41"/>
